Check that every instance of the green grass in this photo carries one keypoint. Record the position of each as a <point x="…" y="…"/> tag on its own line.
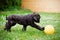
<point x="31" y="33"/>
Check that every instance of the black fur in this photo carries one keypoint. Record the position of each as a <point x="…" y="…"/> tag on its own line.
<point x="23" y="20"/>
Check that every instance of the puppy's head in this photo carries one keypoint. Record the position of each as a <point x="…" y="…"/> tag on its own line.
<point x="36" y="17"/>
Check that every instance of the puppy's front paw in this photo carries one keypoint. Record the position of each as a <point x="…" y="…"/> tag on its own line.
<point x="42" y="29"/>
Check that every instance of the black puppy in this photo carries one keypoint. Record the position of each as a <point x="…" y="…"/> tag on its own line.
<point x="23" y="20"/>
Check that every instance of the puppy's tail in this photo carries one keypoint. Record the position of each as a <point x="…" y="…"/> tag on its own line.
<point x="6" y="17"/>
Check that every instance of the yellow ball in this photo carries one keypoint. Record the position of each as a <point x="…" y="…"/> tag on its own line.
<point x="49" y="29"/>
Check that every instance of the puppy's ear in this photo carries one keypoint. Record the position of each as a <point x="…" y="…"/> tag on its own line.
<point x="6" y="17"/>
<point x="35" y="18"/>
<point x="35" y="13"/>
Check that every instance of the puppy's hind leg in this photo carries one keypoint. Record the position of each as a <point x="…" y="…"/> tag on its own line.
<point x="8" y="25"/>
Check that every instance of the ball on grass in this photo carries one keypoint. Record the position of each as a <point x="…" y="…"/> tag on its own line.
<point x="49" y="29"/>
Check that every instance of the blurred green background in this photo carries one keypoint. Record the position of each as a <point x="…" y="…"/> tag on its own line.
<point x="10" y="5"/>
